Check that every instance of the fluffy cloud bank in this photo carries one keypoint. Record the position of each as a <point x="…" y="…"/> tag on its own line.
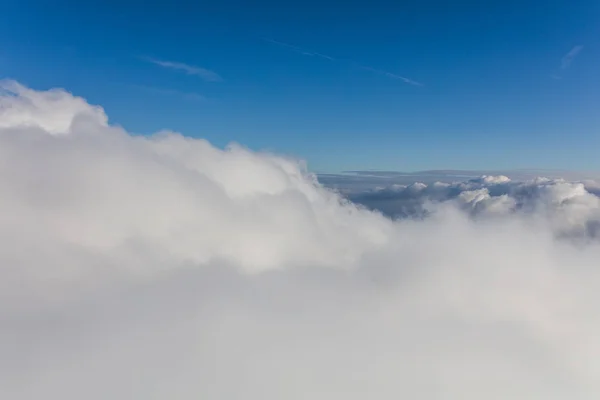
<point x="161" y="267"/>
<point x="569" y="209"/>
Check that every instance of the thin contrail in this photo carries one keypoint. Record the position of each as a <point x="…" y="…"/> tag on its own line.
<point x="305" y="52"/>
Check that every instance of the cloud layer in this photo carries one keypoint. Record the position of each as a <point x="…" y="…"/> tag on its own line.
<point x="161" y="267"/>
<point x="569" y="209"/>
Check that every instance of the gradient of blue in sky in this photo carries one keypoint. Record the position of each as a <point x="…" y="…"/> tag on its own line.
<point x="345" y="85"/>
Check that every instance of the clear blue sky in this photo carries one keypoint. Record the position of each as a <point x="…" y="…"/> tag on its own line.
<point x="490" y="96"/>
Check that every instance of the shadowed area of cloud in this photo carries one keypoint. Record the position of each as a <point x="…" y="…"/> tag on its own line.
<point x="162" y="267"/>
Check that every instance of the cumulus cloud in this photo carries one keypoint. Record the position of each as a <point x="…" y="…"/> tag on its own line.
<point x="161" y="267"/>
<point x="568" y="209"/>
<point x="52" y="111"/>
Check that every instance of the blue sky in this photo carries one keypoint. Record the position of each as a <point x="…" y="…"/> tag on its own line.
<point x="501" y="84"/>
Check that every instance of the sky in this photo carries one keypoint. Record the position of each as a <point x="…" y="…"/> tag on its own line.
<point x="343" y="85"/>
<point x="144" y="264"/>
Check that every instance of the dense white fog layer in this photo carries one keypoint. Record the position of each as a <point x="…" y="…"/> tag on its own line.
<point x="163" y="268"/>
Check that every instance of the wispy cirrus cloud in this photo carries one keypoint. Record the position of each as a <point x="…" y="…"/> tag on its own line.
<point x="203" y="73"/>
<point x="300" y="50"/>
<point x="568" y="58"/>
<point x="392" y="75"/>
<point x="309" y="53"/>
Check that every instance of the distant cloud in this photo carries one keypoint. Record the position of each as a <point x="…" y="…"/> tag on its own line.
<point x="203" y="73"/>
<point x="572" y="207"/>
<point x="305" y="52"/>
<point x="570" y="56"/>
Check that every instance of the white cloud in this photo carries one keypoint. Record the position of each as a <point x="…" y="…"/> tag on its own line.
<point x="53" y="111"/>
<point x="161" y="267"/>
<point x="203" y="73"/>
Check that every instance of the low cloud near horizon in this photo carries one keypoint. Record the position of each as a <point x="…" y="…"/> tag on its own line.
<point x="570" y="208"/>
<point x="162" y="267"/>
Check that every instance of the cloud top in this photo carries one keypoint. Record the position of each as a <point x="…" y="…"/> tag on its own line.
<point x="53" y="111"/>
